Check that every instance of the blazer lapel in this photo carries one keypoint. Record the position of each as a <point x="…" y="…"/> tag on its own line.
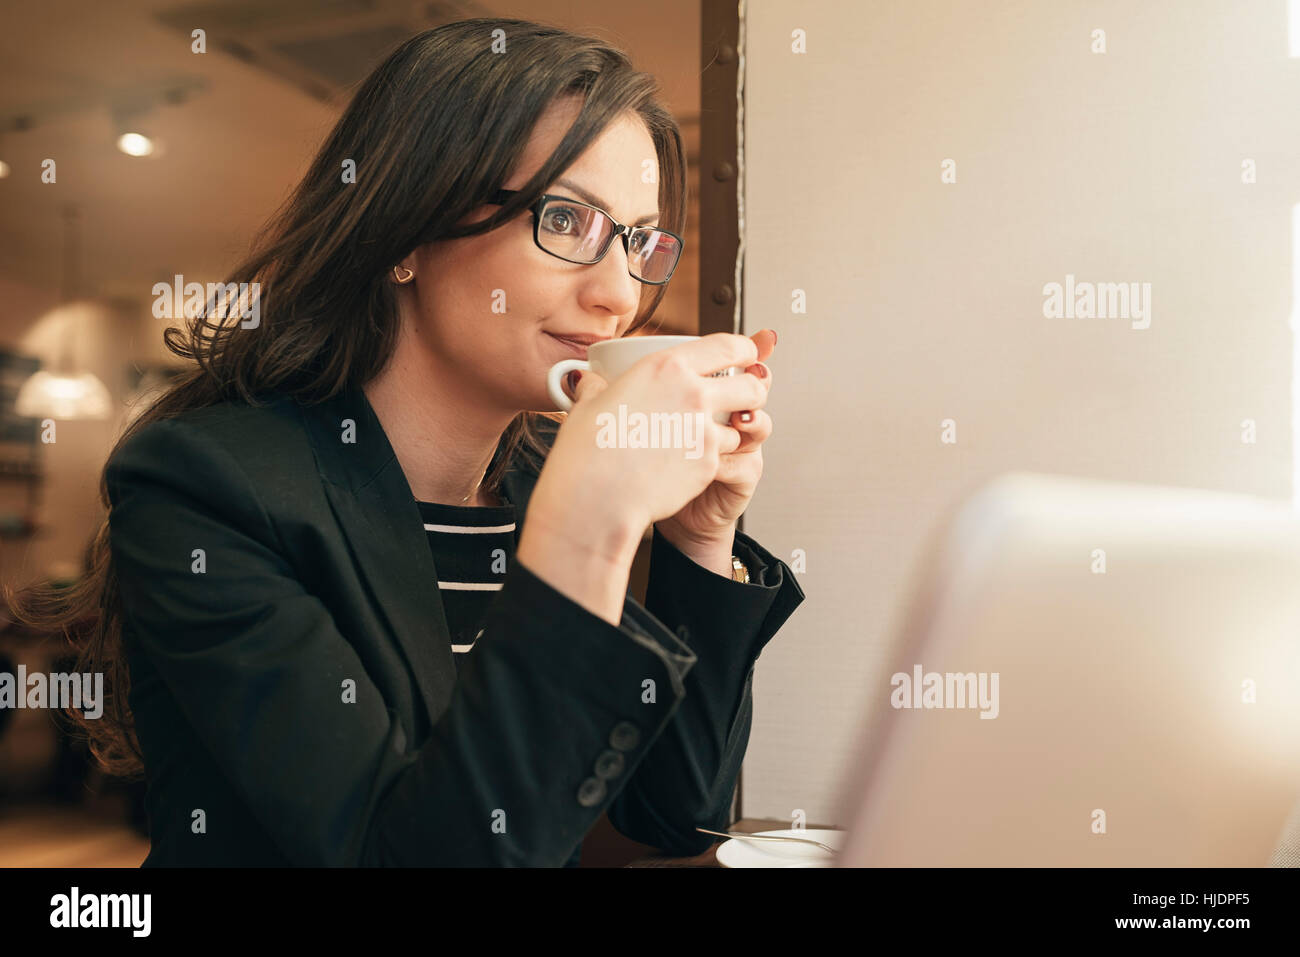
<point x="377" y="511"/>
<point x="375" y="507"/>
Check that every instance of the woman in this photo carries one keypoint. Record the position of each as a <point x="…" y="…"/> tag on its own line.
<point x="345" y="644"/>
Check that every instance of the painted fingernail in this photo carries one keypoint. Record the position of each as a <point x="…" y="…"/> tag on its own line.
<point x="746" y="417"/>
<point x="573" y="377"/>
<point x="773" y="337"/>
<point x="761" y="370"/>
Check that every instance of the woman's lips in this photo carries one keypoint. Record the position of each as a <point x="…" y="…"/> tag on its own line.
<point x="575" y="348"/>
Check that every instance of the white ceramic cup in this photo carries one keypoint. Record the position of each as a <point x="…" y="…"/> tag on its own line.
<point x="610" y="358"/>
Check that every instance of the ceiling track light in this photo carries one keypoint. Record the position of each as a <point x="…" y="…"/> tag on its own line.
<point x="134" y="143"/>
<point x="132" y="134"/>
<point x="128" y="110"/>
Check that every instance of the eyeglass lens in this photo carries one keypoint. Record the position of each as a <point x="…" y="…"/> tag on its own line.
<point x="578" y="233"/>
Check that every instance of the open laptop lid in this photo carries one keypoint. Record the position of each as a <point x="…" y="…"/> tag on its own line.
<point x="1137" y="652"/>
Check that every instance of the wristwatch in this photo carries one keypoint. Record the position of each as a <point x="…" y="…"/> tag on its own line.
<point x="738" y="570"/>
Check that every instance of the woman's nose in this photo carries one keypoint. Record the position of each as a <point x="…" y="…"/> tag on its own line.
<point x="618" y="289"/>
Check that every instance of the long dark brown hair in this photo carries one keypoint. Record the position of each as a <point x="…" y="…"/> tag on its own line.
<point x="433" y="132"/>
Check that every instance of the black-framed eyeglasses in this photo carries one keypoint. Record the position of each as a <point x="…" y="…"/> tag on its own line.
<point x="580" y="233"/>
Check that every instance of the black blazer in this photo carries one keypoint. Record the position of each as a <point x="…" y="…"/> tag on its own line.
<point x="292" y="681"/>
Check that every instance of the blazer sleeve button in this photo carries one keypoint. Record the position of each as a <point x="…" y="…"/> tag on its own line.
<point x="591" y="792"/>
<point x="609" y="765"/>
<point x="625" y="736"/>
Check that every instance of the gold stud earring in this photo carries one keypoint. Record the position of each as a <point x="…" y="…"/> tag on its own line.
<point x="410" y="274"/>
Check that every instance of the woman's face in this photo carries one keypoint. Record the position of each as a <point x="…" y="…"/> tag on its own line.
<point x="482" y="308"/>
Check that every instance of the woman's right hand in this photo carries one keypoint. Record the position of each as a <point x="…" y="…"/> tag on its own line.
<point x="591" y="505"/>
<point x="632" y="487"/>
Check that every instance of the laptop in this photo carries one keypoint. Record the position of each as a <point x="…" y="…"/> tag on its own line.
<point x="1088" y="674"/>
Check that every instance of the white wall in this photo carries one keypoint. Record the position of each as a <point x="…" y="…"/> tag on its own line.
<point x="925" y="299"/>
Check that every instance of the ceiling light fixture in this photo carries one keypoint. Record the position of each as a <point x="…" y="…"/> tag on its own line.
<point x="135" y="144"/>
<point x="134" y="136"/>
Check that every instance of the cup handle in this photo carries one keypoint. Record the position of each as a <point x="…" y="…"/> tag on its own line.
<point x="556" y="375"/>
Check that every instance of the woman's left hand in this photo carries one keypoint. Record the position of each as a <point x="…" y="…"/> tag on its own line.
<point x="705" y="528"/>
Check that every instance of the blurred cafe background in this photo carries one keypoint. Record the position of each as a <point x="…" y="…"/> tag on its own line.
<point x="167" y="162"/>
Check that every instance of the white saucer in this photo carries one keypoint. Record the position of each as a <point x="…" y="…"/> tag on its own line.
<point x="737" y="852"/>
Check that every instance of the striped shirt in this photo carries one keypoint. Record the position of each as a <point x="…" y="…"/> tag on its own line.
<point x="473" y="547"/>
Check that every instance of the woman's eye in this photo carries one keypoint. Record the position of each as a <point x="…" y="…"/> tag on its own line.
<point x="559" y="220"/>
